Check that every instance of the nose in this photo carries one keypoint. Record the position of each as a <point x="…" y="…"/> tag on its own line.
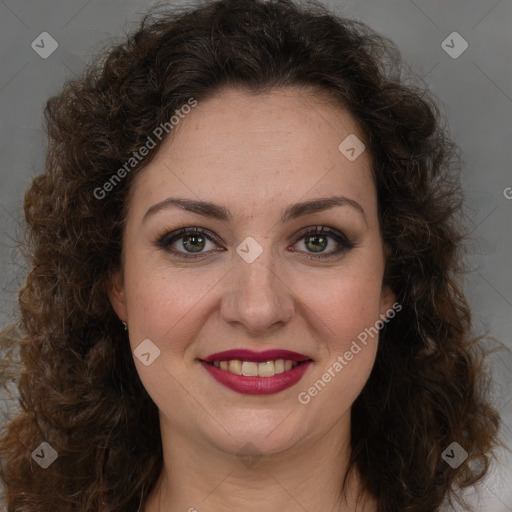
<point x="258" y="296"/>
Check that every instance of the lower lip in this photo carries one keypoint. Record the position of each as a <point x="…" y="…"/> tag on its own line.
<point x="258" y="385"/>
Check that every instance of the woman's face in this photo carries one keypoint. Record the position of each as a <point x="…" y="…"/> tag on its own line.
<point x="254" y="280"/>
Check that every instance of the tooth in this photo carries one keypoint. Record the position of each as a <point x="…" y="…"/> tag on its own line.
<point x="253" y="369"/>
<point x="249" y="369"/>
<point x="266" y="369"/>
<point x="279" y="366"/>
<point x="235" y="366"/>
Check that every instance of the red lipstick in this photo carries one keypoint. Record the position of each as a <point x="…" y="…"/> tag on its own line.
<point x="257" y="385"/>
<point x="257" y="357"/>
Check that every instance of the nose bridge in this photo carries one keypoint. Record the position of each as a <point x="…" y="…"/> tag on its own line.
<point x="257" y="296"/>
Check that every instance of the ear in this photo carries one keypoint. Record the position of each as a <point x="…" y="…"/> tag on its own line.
<point x="387" y="295"/>
<point x="116" y="294"/>
<point x="387" y="299"/>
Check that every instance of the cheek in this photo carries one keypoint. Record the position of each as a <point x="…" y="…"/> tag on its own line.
<point x="346" y="318"/>
<point x="165" y="305"/>
<point x="345" y="309"/>
<point x="345" y="302"/>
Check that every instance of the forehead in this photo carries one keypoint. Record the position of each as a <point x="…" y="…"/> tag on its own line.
<point x="258" y="149"/>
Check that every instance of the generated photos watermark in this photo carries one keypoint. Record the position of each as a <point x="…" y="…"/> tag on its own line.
<point x="304" y="397"/>
<point x="158" y="133"/>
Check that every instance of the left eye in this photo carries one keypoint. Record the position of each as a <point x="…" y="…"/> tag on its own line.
<point x="193" y="241"/>
<point x="317" y="239"/>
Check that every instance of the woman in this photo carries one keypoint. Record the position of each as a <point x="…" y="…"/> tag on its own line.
<point x="245" y="287"/>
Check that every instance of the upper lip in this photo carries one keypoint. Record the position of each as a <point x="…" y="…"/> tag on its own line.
<point x="257" y="357"/>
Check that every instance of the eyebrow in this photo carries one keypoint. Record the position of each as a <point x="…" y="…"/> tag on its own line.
<point x="294" y="211"/>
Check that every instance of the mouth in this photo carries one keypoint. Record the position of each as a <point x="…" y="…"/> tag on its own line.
<point x="257" y="373"/>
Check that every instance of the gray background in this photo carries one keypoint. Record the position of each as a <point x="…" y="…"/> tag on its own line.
<point x="474" y="91"/>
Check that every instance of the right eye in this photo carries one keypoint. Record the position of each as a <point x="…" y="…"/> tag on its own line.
<point x="192" y="240"/>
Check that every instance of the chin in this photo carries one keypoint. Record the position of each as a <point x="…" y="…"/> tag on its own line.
<point x="267" y="433"/>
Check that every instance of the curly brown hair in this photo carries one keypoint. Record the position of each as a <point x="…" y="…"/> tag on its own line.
<point x="79" y="388"/>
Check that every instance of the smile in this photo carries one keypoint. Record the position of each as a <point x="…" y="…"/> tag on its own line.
<point x="257" y="373"/>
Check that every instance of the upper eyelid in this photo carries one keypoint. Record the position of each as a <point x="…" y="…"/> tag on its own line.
<point x="176" y="234"/>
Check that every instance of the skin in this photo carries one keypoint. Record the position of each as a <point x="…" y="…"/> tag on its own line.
<point x="255" y="155"/>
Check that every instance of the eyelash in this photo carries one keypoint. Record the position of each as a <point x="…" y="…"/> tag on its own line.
<point x="164" y="241"/>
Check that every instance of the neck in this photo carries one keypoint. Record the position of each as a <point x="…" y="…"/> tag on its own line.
<point x="199" y="476"/>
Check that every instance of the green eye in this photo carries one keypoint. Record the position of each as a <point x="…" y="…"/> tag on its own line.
<point x="317" y="239"/>
<point x="194" y="240"/>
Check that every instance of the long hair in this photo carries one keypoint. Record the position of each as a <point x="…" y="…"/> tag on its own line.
<point x="79" y="390"/>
